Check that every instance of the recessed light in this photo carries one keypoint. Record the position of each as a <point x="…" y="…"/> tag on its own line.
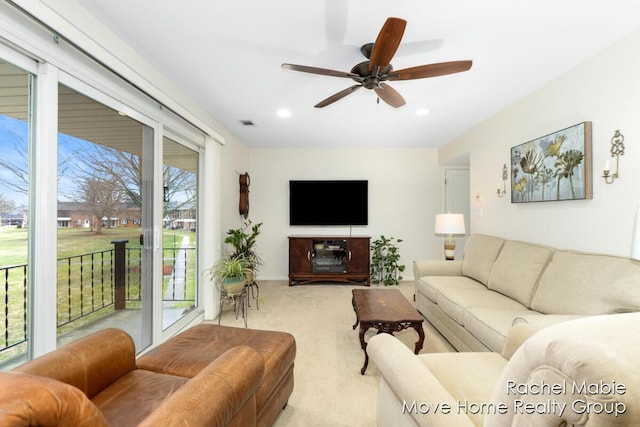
<point x="422" y="112"/>
<point x="284" y="113"/>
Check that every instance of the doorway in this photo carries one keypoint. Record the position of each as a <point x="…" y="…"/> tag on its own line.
<point x="456" y="200"/>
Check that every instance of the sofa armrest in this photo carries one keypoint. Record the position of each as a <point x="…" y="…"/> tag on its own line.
<point x="437" y="268"/>
<point x="30" y="400"/>
<point x="222" y="394"/>
<point x="412" y="382"/>
<point x="517" y="335"/>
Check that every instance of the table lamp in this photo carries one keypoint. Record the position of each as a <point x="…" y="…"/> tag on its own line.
<point x="449" y="224"/>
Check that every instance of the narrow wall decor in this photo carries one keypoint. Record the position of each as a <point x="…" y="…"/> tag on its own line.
<point x="553" y="167"/>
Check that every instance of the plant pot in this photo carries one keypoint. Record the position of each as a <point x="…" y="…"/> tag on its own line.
<point x="248" y="279"/>
<point x="234" y="285"/>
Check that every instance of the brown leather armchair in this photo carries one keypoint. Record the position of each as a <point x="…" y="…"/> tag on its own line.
<point x="94" y="381"/>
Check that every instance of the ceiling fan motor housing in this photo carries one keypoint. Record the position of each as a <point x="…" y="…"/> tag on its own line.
<point x="366" y="78"/>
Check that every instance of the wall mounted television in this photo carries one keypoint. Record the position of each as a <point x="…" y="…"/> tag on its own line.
<point x="329" y="202"/>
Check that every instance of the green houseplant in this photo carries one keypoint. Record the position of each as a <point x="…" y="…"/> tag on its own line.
<point x="243" y="240"/>
<point x="385" y="261"/>
<point x="231" y="273"/>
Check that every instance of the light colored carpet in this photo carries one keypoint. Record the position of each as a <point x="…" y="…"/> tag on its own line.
<point x="328" y="390"/>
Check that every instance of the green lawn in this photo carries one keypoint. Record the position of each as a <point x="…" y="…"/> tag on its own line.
<point x="77" y="241"/>
<point x="13" y="245"/>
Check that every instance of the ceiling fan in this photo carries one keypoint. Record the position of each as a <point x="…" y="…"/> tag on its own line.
<point x="373" y="74"/>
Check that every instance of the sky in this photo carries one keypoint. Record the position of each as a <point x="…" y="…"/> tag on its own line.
<point x="13" y="149"/>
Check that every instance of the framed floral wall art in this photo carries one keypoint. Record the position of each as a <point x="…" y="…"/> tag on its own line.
<point x="553" y="167"/>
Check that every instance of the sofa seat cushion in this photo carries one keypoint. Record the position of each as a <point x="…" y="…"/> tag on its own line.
<point x="517" y="270"/>
<point x="544" y="321"/>
<point x="468" y="377"/>
<point x="456" y="301"/>
<point x="581" y="283"/>
<point x="189" y="352"/>
<point x="480" y="252"/>
<point x="429" y="286"/>
<point x="491" y="325"/>
<point x="135" y="395"/>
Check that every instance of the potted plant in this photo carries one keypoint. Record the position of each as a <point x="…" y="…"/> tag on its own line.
<point x="243" y="240"/>
<point x="231" y="273"/>
<point x="385" y="261"/>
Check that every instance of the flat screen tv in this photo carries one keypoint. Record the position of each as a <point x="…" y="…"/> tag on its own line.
<point x="329" y="202"/>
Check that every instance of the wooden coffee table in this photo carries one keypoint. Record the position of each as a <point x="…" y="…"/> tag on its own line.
<point x="386" y="310"/>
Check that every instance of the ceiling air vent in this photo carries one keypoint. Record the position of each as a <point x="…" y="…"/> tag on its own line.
<point x="247" y="122"/>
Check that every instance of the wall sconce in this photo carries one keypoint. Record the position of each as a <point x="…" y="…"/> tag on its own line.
<point x="503" y="191"/>
<point x="617" y="150"/>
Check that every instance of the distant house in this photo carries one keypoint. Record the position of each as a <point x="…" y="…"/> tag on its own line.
<point x="16" y="218"/>
<point x="78" y="215"/>
<point x="181" y="217"/>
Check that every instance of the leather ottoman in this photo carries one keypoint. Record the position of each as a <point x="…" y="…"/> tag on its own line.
<point x="189" y="352"/>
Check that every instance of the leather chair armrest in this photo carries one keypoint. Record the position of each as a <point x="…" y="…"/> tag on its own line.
<point x="216" y="395"/>
<point x="30" y="400"/>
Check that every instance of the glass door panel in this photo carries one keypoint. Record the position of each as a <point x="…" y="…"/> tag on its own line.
<point x="15" y="142"/>
<point x="105" y="238"/>
<point x="179" y="242"/>
<point x="330" y="256"/>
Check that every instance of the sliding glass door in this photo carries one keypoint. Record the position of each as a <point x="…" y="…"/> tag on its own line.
<point x="105" y="240"/>
<point x="180" y="226"/>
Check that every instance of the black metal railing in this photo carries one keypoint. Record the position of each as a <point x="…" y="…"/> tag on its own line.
<point x="85" y="285"/>
<point x="90" y="283"/>
<point x="14" y="301"/>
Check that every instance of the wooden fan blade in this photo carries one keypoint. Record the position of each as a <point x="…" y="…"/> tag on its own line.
<point x="337" y="96"/>
<point x="321" y="71"/>
<point x="430" y="70"/>
<point x="389" y="95"/>
<point x="386" y="43"/>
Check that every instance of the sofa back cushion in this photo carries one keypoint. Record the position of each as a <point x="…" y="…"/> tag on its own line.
<point x="480" y="252"/>
<point x="581" y="283"/>
<point x="90" y="363"/>
<point x="517" y="270"/>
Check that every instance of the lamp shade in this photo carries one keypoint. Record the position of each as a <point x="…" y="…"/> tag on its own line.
<point x="449" y="224"/>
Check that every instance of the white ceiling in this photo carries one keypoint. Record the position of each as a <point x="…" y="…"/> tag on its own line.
<point x="226" y="56"/>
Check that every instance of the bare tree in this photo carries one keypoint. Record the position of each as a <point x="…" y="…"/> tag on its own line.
<point x="102" y="198"/>
<point x="6" y="205"/>
<point x="18" y="178"/>
<point x="125" y="169"/>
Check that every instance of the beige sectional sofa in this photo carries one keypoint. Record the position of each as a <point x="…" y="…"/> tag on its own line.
<point x="474" y="302"/>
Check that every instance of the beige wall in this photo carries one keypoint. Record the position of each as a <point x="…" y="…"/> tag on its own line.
<point x="235" y="160"/>
<point x="604" y="90"/>
<point x="405" y="193"/>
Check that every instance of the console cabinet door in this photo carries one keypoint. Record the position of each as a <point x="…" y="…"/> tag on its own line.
<point x="358" y="255"/>
<point x="300" y="251"/>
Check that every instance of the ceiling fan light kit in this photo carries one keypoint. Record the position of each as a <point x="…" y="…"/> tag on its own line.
<point x="373" y="73"/>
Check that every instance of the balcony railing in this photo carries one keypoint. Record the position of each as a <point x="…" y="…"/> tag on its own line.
<point x="88" y="285"/>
